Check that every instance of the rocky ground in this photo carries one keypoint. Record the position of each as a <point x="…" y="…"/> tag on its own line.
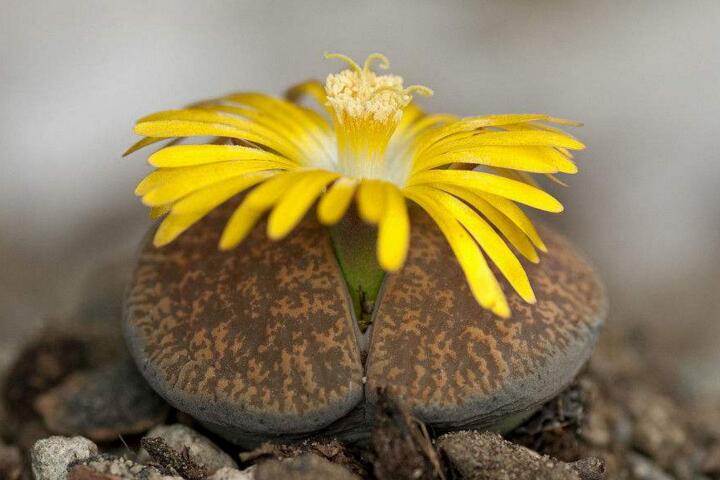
<point x="75" y="407"/>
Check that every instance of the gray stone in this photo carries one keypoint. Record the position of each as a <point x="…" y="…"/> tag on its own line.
<point x="227" y="473"/>
<point x="304" y="467"/>
<point x="108" y="467"/>
<point x="643" y="468"/>
<point x="51" y="456"/>
<point x="590" y="468"/>
<point x="486" y="456"/>
<point x="200" y="448"/>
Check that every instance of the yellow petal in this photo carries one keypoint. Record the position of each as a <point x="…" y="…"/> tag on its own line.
<point x="159" y="211"/>
<point x="429" y="122"/>
<point x="563" y="121"/>
<point x="182" y="128"/>
<point x="520" y="138"/>
<point x="517" y="216"/>
<point x="410" y="114"/>
<point x="529" y="159"/>
<point x="167" y="185"/>
<point x="473" y="124"/>
<point x="371" y="200"/>
<point x="518" y="176"/>
<point x="222" y="126"/>
<point x="512" y="232"/>
<point x="192" y="208"/>
<point x="560" y="156"/>
<point x="335" y="202"/>
<point x="555" y="179"/>
<point x="205" y="199"/>
<point x="393" y="231"/>
<point x="312" y="88"/>
<point x="504" y="119"/>
<point x="481" y="280"/>
<point x="490" y="242"/>
<point x="296" y="201"/>
<point x="562" y="160"/>
<point x="251" y="209"/>
<point x="280" y="109"/>
<point x="173" y="226"/>
<point x="192" y="155"/>
<point x="494" y="184"/>
<point x="142" y="143"/>
<point x="292" y="123"/>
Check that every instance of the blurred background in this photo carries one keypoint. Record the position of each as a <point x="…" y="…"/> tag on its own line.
<point x="643" y="76"/>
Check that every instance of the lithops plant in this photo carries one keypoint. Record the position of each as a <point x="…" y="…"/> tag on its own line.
<point x="295" y="335"/>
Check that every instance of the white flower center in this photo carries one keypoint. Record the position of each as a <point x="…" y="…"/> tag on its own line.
<point x="367" y="109"/>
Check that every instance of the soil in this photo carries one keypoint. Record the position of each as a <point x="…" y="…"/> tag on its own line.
<point x="620" y="419"/>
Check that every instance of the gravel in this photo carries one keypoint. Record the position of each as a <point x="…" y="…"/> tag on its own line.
<point x="200" y="448"/>
<point x="51" y="456"/>
<point x="304" y="467"/>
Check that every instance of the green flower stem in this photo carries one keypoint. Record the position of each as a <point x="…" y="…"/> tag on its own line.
<point x="355" y="248"/>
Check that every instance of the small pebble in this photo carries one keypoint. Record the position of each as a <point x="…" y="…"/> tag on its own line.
<point x="51" y="456"/>
<point x="227" y="473"/>
<point x="643" y="468"/>
<point x="487" y="456"/>
<point x="590" y="468"/>
<point x="200" y="448"/>
<point x="304" y="467"/>
<point x="711" y="461"/>
<point x="108" y="467"/>
<point x="103" y="404"/>
<point x="658" y="431"/>
<point x="42" y="364"/>
<point x="11" y="464"/>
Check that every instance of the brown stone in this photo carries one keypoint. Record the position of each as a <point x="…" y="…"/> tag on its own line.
<point x="260" y="342"/>
<point x="43" y="364"/>
<point x="304" y="467"/>
<point x="486" y="456"/>
<point x="103" y="404"/>
<point x="11" y="462"/>
<point x="108" y="467"/>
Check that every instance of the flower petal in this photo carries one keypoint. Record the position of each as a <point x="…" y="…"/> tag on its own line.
<point x="371" y="200"/>
<point x="311" y="88"/>
<point x="481" y="280"/>
<point x="335" y="202"/>
<point x="205" y="199"/>
<point x="490" y="242"/>
<point x="519" y="138"/>
<point x="169" y="184"/>
<point x="189" y="123"/>
<point x="296" y="201"/>
<point x="494" y="184"/>
<point x="253" y="206"/>
<point x="517" y="216"/>
<point x="512" y="232"/>
<point x="529" y="159"/>
<point x="142" y="143"/>
<point x="192" y="155"/>
<point x="394" y="230"/>
<point x="160" y="210"/>
<point x="198" y="204"/>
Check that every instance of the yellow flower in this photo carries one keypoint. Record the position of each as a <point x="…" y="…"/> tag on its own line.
<point x="371" y="144"/>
